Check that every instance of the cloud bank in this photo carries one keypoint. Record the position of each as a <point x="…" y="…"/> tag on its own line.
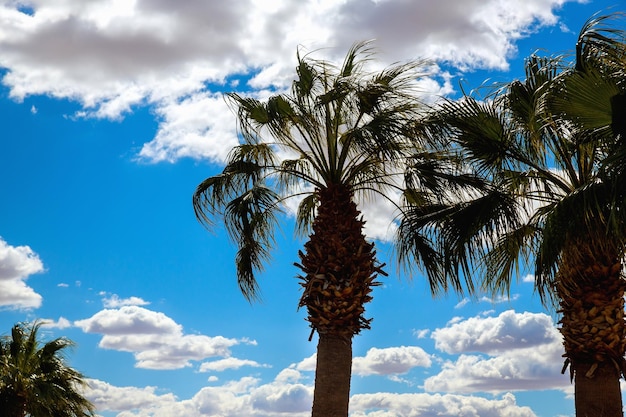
<point x="111" y="56"/>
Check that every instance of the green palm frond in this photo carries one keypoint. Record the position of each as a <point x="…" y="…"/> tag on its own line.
<point x="481" y="131"/>
<point x="251" y="220"/>
<point x="600" y="40"/>
<point x="511" y="252"/>
<point x="247" y="164"/>
<point x="584" y="98"/>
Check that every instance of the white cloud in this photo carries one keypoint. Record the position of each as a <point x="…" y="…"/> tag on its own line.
<point x="514" y="351"/>
<point x="108" y="397"/>
<point x="156" y="340"/>
<point x="491" y="300"/>
<point x="426" y="405"/>
<point x="199" y="126"/>
<point x="462" y="303"/>
<point x="393" y="360"/>
<point x="114" y="301"/>
<point x="17" y="263"/>
<point x="111" y="55"/>
<point x="385" y="361"/>
<point x="245" y="397"/>
<point x="307" y="364"/>
<point x="378" y="214"/>
<point x="61" y="323"/>
<point x="421" y="333"/>
<point x="229" y="363"/>
<point x="286" y="395"/>
<point x="510" y="330"/>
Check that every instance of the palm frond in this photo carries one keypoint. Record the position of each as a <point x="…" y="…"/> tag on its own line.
<point x="306" y="214"/>
<point x="251" y="220"/>
<point x="600" y="40"/>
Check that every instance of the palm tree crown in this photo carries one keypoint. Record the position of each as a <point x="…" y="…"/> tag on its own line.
<point x="548" y="156"/>
<point x="338" y="127"/>
<point x="34" y="378"/>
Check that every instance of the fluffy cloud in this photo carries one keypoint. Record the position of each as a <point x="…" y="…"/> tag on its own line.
<point x="114" y="301"/>
<point x="61" y="323"/>
<point x="229" y="363"/>
<point x="514" y="351"/>
<point x="245" y="397"/>
<point x="425" y="405"/>
<point x="111" y="55"/>
<point x="286" y="395"/>
<point x="199" y="126"/>
<point x="17" y="263"/>
<point x="156" y="340"/>
<point x="385" y="361"/>
<point x="509" y="331"/>
<point x="393" y="360"/>
<point x="109" y="397"/>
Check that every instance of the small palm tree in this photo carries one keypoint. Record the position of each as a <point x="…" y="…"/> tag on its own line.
<point x="339" y="136"/>
<point x="548" y="153"/>
<point x="34" y="378"/>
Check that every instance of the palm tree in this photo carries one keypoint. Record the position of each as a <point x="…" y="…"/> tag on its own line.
<point x="337" y="137"/>
<point x="548" y="153"/>
<point x="34" y="378"/>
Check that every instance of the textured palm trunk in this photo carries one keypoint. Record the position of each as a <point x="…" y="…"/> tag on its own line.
<point x="332" y="377"/>
<point x="593" y="329"/>
<point x="339" y="269"/>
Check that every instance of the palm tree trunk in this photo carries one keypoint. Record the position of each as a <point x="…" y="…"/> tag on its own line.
<point x="591" y="292"/>
<point x="332" y="376"/>
<point x="599" y="395"/>
<point x="339" y="268"/>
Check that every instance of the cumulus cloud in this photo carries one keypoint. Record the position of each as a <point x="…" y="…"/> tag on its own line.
<point x="17" y="263"/>
<point x="393" y="360"/>
<point x="307" y="364"/>
<point x="156" y="341"/>
<point x="514" y="351"/>
<point x="198" y="126"/>
<point x="287" y="395"/>
<point x="229" y="363"/>
<point x="112" y="55"/>
<point x="508" y="331"/>
<point x="114" y="301"/>
<point x="61" y="323"/>
<point x="245" y="397"/>
<point x="425" y="405"/>
<point x="385" y="361"/>
<point x="108" y="397"/>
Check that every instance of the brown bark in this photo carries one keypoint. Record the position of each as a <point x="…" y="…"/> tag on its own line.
<point x="332" y="376"/>
<point x="339" y="266"/>
<point x="339" y="270"/>
<point x="591" y="291"/>
<point x="600" y="395"/>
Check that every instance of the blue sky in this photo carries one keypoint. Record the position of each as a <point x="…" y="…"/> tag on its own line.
<point x="111" y="113"/>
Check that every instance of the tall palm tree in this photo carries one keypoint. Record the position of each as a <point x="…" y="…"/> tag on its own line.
<point x="549" y="154"/>
<point x="34" y="378"/>
<point x="337" y="137"/>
